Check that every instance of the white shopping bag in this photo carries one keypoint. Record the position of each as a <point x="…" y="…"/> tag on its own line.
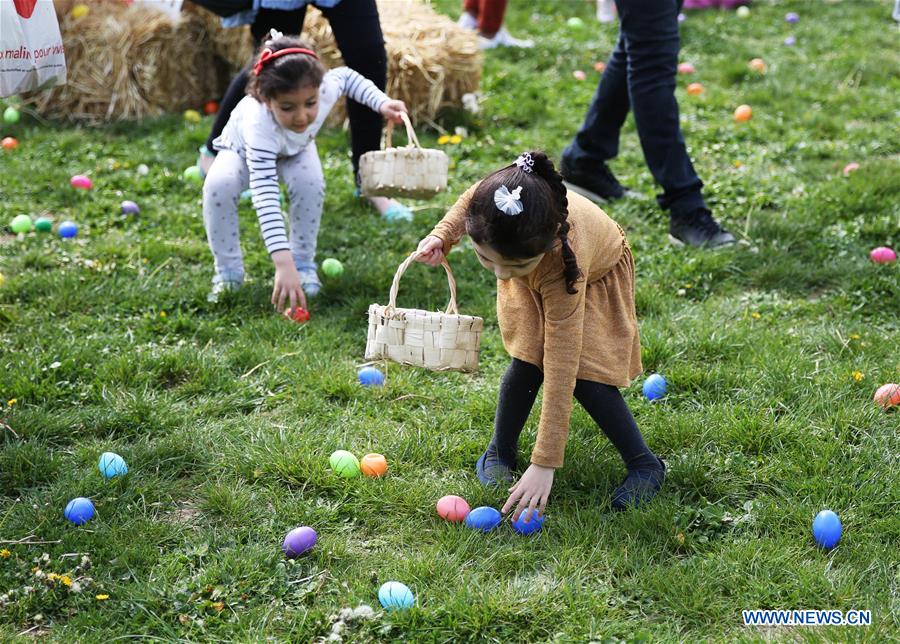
<point x="31" y="50"/>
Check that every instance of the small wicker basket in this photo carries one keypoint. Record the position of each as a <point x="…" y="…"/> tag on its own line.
<point x="438" y="341"/>
<point x="410" y="171"/>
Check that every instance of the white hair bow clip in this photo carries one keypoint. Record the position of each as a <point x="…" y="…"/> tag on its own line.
<point x="508" y="202"/>
<point x="525" y="162"/>
<point x="274" y="34"/>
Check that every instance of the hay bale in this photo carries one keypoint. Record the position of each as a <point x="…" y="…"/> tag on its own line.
<point x="432" y="61"/>
<point x="127" y="62"/>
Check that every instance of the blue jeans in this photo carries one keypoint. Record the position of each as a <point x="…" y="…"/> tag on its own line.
<point x="640" y="75"/>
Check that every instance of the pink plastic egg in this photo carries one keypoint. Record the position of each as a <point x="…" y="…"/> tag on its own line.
<point x="883" y="255"/>
<point x="81" y="182"/>
<point x="686" y="68"/>
<point x="453" y="508"/>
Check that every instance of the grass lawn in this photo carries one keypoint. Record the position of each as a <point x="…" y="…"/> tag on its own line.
<point x="226" y="414"/>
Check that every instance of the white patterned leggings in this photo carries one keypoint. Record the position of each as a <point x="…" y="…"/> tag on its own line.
<point x="229" y="176"/>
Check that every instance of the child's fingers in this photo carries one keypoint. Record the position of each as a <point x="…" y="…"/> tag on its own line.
<point x="529" y="513"/>
<point x="511" y="501"/>
<point x="293" y="300"/>
<point x="302" y="297"/>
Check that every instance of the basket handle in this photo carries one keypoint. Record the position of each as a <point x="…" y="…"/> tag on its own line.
<point x="410" y="132"/>
<point x="395" y="286"/>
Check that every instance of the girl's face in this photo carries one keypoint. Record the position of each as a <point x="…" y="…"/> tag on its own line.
<point x="503" y="267"/>
<point x="297" y="109"/>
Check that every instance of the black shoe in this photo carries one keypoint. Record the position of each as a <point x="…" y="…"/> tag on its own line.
<point x="698" y="228"/>
<point x="639" y="487"/>
<point x="600" y="187"/>
<point x="491" y="470"/>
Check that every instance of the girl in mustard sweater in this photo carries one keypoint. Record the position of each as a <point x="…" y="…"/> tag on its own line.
<point x="565" y="304"/>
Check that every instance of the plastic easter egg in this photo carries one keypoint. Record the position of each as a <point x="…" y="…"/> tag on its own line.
<point x="193" y="173"/>
<point x="393" y="596"/>
<point x="579" y="75"/>
<point x="81" y="182"/>
<point x="297" y="314"/>
<point x="826" y="529"/>
<point x="80" y="11"/>
<point x="68" y="229"/>
<point x="655" y="387"/>
<point x="370" y="377"/>
<point x="79" y="510"/>
<point x="743" y="113"/>
<point x="791" y="17"/>
<point x="533" y="525"/>
<point x="695" y="89"/>
<point x="452" y="508"/>
<point x="888" y="395"/>
<point x="758" y="65"/>
<point x="883" y="255"/>
<point x="192" y="116"/>
<point x="9" y="143"/>
<point x="790" y="41"/>
<point x="599" y="66"/>
<point x="21" y="224"/>
<point x="298" y="541"/>
<point x="681" y="17"/>
<point x="853" y="166"/>
<point x="743" y="11"/>
<point x="130" y="208"/>
<point x="344" y="463"/>
<point x="686" y="68"/>
<point x="575" y="22"/>
<point x="112" y="465"/>
<point x="11" y="115"/>
<point x="43" y="225"/>
<point x="142" y="169"/>
<point x="332" y="267"/>
<point x="374" y="465"/>
<point x="211" y="107"/>
<point x="483" y="518"/>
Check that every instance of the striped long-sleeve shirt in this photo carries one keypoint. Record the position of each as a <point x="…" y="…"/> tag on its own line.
<point x="253" y="132"/>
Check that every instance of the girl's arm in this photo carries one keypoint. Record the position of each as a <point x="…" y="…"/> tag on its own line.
<point x="563" y="338"/>
<point x="449" y="230"/>
<point x="354" y="85"/>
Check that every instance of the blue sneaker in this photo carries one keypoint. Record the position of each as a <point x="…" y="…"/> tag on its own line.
<point x="491" y="470"/>
<point x="397" y="212"/>
<point x="639" y="487"/>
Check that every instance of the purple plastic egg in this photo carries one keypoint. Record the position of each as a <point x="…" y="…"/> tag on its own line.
<point x="130" y="208"/>
<point x="298" y="541"/>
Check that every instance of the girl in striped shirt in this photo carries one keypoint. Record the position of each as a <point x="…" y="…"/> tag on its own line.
<point x="270" y="136"/>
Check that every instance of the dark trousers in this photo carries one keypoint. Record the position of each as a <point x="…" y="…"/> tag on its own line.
<point x="357" y="30"/>
<point x="640" y="76"/>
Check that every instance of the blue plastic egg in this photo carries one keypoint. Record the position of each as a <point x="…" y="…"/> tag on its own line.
<point x="534" y="525"/>
<point x="79" y="510"/>
<point x="68" y="229"/>
<point x="370" y="377"/>
<point x="112" y="465"/>
<point x="654" y="387"/>
<point x="394" y="595"/>
<point x="827" y="529"/>
<point x="483" y="518"/>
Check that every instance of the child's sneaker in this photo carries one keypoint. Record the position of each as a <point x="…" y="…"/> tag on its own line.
<point x="397" y="212"/>
<point x="504" y="39"/>
<point x="468" y="21"/>
<point x="491" y="470"/>
<point x="309" y="278"/>
<point x="224" y="284"/>
<point x="639" y="487"/>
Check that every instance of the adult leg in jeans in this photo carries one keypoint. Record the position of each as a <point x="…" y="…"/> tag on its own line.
<point x="287" y="22"/>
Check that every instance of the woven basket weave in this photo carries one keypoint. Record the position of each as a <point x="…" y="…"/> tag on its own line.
<point x="438" y="341"/>
<point x="411" y="171"/>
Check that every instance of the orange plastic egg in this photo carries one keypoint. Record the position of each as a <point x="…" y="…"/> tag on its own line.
<point x="758" y="65"/>
<point x="373" y="465"/>
<point x="695" y="89"/>
<point x="9" y="143"/>
<point x="743" y="113"/>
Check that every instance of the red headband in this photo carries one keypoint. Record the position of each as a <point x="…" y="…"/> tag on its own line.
<point x="267" y="55"/>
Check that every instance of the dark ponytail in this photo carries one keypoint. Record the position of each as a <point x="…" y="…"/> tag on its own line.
<point x="544" y="217"/>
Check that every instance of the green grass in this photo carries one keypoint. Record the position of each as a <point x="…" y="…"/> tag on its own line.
<point x="226" y="414"/>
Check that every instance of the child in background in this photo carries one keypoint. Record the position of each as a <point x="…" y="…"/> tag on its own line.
<point x="565" y="304"/>
<point x="271" y="135"/>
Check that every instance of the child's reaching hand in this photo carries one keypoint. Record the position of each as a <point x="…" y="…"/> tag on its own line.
<point x="431" y="251"/>
<point x="287" y="282"/>
<point x="530" y="490"/>
<point x="392" y="109"/>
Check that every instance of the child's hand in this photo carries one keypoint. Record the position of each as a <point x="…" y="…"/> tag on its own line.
<point x="287" y="282"/>
<point x="533" y="489"/>
<point x="392" y="109"/>
<point x="431" y="251"/>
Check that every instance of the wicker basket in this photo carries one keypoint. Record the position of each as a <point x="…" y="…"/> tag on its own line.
<point x="411" y="171"/>
<point x="439" y="341"/>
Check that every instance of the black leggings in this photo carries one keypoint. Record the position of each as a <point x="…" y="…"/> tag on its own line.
<point x="604" y="403"/>
<point x="357" y="30"/>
